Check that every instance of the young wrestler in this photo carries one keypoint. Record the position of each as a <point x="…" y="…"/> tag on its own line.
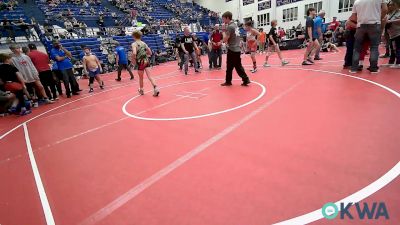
<point x="252" y="42"/>
<point x="274" y="45"/>
<point x="140" y="52"/>
<point x="199" y="44"/>
<point x="312" y="43"/>
<point x="327" y="43"/>
<point x="92" y="67"/>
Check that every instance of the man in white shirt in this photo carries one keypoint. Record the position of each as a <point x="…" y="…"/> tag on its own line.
<point x="370" y="14"/>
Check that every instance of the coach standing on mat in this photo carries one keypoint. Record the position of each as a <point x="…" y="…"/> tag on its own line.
<point x="63" y="58"/>
<point x="232" y="39"/>
<point x="370" y="14"/>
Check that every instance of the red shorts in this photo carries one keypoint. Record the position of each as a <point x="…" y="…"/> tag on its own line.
<point x="143" y="64"/>
<point x="252" y="46"/>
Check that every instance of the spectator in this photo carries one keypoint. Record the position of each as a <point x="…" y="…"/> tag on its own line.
<point x="388" y="44"/>
<point x="393" y="28"/>
<point x="282" y="33"/>
<point x="25" y="50"/>
<point x="339" y="37"/>
<point x="41" y="61"/>
<point x="25" y="66"/>
<point x="7" y="100"/>
<point x="12" y="81"/>
<point x="69" y="27"/>
<point x="100" y="21"/>
<point x="334" y="25"/>
<point x="262" y="39"/>
<point x="369" y="16"/>
<point x="63" y="58"/>
<point x="22" y="25"/>
<point x="8" y="27"/>
<point x="318" y="33"/>
<point x="216" y="42"/>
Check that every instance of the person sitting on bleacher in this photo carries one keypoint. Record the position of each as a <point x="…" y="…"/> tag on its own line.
<point x="8" y="27"/>
<point x="24" y="27"/>
<point x="69" y="27"/>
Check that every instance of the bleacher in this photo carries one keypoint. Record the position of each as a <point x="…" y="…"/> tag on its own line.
<point x="154" y="41"/>
<point x="159" y="11"/>
<point x="13" y="16"/>
<point x="205" y="19"/>
<point x="197" y="10"/>
<point x="88" y="18"/>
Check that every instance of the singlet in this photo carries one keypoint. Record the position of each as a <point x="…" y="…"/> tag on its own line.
<point x="251" y="37"/>
<point x="141" y="51"/>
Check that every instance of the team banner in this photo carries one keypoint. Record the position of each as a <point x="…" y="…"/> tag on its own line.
<point x="247" y="2"/>
<point x="264" y="5"/>
<point x="285" y="2"/>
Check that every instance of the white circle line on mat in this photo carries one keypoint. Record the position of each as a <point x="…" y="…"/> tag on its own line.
<point x="264" y="90"/>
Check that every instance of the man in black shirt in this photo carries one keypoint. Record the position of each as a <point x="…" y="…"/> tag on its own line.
<point x="180" y="55"/>
<point x="189" y="46"/>
<point x="312" y="43"/>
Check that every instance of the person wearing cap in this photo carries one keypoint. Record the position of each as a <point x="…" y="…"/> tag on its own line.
<point x="63" y="58"/>
<point x="31" y="76"/>
<point x="41" y="62"/>
<point x="334" y="25"/>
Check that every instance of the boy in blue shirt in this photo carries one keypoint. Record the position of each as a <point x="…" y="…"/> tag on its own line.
<point x="122" y="61"/>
